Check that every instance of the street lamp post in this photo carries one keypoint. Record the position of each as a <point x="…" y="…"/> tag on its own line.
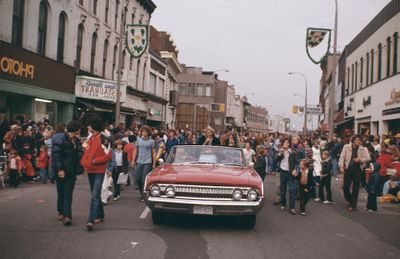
<point x="332" y="88"/>
<point x="305" y="100"/>
<point x="119" y="71"/>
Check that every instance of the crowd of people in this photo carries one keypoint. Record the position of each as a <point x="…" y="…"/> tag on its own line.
<point x="304" y="166"/>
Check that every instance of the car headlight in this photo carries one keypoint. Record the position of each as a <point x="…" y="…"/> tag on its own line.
<point x="237" y="194"/>
<point x="170" y="192"/>
<point x="252" y="195"/>
<point x="155" y="191"/>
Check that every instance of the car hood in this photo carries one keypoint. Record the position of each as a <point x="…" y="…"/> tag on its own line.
<point x="203" y="175"/>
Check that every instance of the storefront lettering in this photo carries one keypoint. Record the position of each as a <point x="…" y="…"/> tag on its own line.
<point x="17" y="68"/>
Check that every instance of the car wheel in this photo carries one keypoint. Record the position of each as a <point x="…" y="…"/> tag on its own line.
<point x="158" y="217"/>
<point x="249" y="221"/>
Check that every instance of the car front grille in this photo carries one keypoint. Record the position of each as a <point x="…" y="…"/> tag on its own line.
<point x="205" y="192"/>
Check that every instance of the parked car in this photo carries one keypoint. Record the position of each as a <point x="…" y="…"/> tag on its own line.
<point x="205" y="180"/>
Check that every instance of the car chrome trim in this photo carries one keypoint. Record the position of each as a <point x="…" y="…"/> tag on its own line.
<point x="206" y="203"/>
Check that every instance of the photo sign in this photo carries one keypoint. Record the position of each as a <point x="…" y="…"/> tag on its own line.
<point x="98" y="89"/>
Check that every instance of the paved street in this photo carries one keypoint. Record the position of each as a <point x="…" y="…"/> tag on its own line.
<point x="29" y="229"/>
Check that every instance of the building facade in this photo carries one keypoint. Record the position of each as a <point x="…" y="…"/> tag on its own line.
<point x="372" y="83"/>
<point x="82" y="35"/>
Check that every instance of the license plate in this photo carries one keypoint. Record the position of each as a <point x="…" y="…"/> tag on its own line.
<point x="203" y="210"/>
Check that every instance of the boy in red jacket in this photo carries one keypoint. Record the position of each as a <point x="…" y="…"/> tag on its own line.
<point x="94" y="161"/>
<point x="385" y="161"/>
<point x="42" y="163"/>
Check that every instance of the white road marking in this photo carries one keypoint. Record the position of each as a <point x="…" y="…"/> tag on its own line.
<point x="145" y="213"/>
<point x="133" y="244"/>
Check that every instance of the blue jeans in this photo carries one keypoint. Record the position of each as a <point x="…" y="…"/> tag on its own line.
<point x="142" y="170"/>
<point x="287" y="180"/>
<point x="43" y="175"/>
<point x="335" y="166"/>
<point x="96" y="207"/>
<point x="65" y="189"/>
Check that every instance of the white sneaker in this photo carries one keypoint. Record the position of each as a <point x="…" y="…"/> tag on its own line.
<point x="327" y="202"/>
<point x="317" y="199"/>
<point x="303" y="213"/>
<point x="283" y="208"/>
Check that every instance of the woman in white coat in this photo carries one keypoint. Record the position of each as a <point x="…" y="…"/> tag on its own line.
<point x="317" y="168"/>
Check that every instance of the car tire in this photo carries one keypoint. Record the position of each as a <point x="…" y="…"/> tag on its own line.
<point x="249" y="221"/>
<point x="158" y="217"/>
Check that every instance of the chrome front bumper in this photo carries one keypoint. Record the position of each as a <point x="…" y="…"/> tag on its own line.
<point x="219" y="207"/>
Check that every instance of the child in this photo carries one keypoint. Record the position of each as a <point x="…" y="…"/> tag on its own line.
<point x="260" y="165"/>
<point x="373" y="182"/>
<point x="326" y="176"/>
<point x="42" y="163"/>
<point x="14" y="168"/>
<point x="306" y="183"/>
<point x="116" y="167"/>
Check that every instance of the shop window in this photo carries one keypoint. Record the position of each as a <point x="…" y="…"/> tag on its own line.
<point x="17" y="23"/>
<point x="79" y="46"/>
<point x="395" y="51"/>
<point x="105" y="53"/>
<point x="93" y="52"/>
<point x="42" y="28"/>
<point x="379" y="61"/>
<point x="61" y="36"/>
<point x="107" y="9"/>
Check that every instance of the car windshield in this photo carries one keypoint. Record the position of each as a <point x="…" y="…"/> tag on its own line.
<point x="192" y="154"/>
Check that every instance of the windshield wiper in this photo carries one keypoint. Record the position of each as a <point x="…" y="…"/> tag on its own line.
<point x="198" y="162"/>
<point x="233" y="164"/>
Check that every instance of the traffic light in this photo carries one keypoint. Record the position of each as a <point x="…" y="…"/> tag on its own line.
<point x="295" y="109"/>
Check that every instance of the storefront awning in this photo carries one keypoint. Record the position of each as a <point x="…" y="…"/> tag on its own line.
<point x="344" y="121"/>
<point x="97" y="107"/>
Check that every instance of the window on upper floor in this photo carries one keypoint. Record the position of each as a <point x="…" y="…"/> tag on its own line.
<point x="160" y="88"/>
<point x="17" y="23"/>
<point x="372" y="67"/>
<point x="348" y="82"/>
<point x="62" y="19"/>
<point x="131" y="59"/>
<point x="208" y="90"/>
<point x="42" y="27"/>
<point x="367" y="71"/>
<point x="352" y="78"/>
<point x="133" y="18"/>
<point x="192" y="89"/>
<point x="183" y="89"/>
<point x="95" y="7"/>
<point x="379" y="61"/>
<point x="105" y="54"/>
<point x="79" y="45"/>
<point x="153" y="83"/>
<point x="116" y="14"/>
<point x="82" y="2"/>
<point x="356" y="77"/>
<point x="388" y="55"/>
<point x="395" y="51"/>
<point x="361" y="72"/>
<point x="107" y="10"/>
<point x="123" y="59"/>
<point x="114" y="60"/>
<point x="137" y="73"/>
<point x="93" y="52"/>
<point x="200" y="90"/>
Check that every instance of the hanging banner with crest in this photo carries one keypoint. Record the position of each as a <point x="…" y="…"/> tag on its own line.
<point x="137" y="39"/>
<point x="314" y="37"/>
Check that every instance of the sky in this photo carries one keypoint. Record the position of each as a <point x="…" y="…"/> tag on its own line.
<point x="260" y="41"/>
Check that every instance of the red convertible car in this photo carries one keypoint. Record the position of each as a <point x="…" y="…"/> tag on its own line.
<point x="205" y="180"/>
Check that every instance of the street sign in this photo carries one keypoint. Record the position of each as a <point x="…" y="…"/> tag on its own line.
<point x="314" y="110"/>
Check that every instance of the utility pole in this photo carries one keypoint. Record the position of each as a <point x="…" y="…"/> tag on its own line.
<point x="119" y="72"/>
<point x="333" y="85"/>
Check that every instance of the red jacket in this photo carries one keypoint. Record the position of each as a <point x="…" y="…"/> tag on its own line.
<point x="95" y="159"/>
<point x="385" y="160"/>
<point x="42" y="159"/>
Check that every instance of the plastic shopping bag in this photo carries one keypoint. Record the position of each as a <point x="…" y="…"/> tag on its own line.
<point x="122" y="178"/>
<point x="105" y="189"/>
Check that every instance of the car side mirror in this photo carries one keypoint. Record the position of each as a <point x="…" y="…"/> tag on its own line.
<point x="160" y="161"/>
